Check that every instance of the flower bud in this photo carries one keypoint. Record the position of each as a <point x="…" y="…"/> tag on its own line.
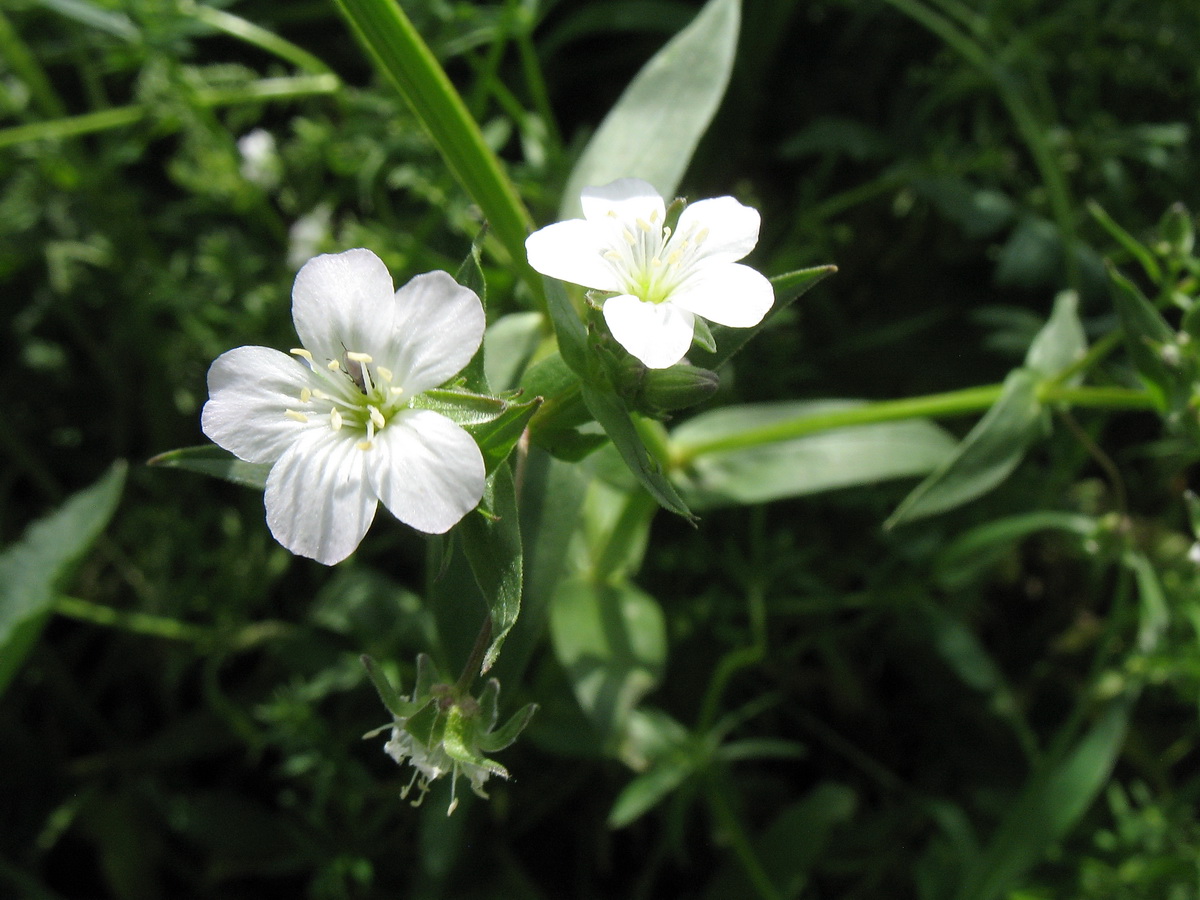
<point x="658" y="391"/>
<point x="1176" y="230"/>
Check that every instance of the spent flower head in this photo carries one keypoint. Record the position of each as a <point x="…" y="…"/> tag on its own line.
<point x="659" y="278"/>
<point x="335" y="418"/>
<point x="441" y="730"/>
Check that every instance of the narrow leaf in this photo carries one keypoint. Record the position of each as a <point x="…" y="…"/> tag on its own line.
<point x="210" y="460"/>
<point x="984" y="458"/>
<point x="34" y="568"/>
<point x="493" y="548"/>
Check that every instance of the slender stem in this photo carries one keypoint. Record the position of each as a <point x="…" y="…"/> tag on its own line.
<point x="951" y="403"/>
<point x="22" y="61"/>
<point x="122" y="116"/>
<point x="242" y="29"/>
<point x="135" y="622"/>
<point x="739" y="841"/>
<point x="475" y="660"/>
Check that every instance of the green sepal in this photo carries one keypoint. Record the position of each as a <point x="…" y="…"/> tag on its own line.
<point x="702" y="336"/>
<point x="509" y="731"/>
<point x="462" y="407"/>
<point x="211" y="460"/>
<point x="1177" y="230"/>
<point x="461" y="732"/>
<point x="395" y="704"/>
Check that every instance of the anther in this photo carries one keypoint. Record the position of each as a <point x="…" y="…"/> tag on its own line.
<point x="301" y="352"/>
<point x="354" y="356"/>
<point x="629" y="237"/>
<point x="612" y="254"/>
<point x="305" y="395"/>
<point x="385" y="374"/>
<point x="364" y="445"/>
<point x="335" y="419"/>
<point x="334" y="365"/>
<point x="377" y="417"/>
<point x="295" y="416"/>
<point x="643" y="224"/>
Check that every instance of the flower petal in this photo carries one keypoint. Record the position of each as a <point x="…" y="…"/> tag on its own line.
<point x="319" y="501"/>
<point x="573" y="251"/>
<point x="249" y="391"/>
<point x="426" y="470"/>
<point x="339" y="301"/>
<point x="436" y="327"/>
<point x="657" y="334"/>
<point x="626" y="199"/>
<point x="728" y="294"/>
<point x="732" y="228"/>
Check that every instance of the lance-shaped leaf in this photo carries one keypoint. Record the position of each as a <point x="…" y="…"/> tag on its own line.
<point x="1146" y="331"/>
<point x="497" y="438"/>
<point x="212" y="460"/>
<point x="396" y="705"/>
<point x="34" y="568"/>
<point x="654" y="128"/>
<point x="493" y="549"/>
<point x="462" y="407"/>
<point x="984" y="458"/>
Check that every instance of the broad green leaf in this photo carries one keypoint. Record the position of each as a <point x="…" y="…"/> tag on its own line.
<point x="984" y="458"/>
<point x="212" y="460"/>
<point x="652" y="131"/>
<point x="1145" y="332"/>
<point x="789" y="287"/>
<point x="611" y="640"/>
<point x="493" y="548"/>
<point x="1061" y="342"/>
<point x="34" y="568"/>
<point x="1048" y="807"/>
<point x="862" y="454"/>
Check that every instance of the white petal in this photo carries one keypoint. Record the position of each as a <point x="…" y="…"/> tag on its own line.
<point x="573" y="251"/>
<point x="319" y="502"/>
<point x="728" y="294"/>
<point x="339" y="300"/>
<point x="657" y="334"/>
<point x="249" y="391"/>
<point x="732" y="228"/>
<point x="437" y="325"/>
<point x="426" y="470"/>
<point x="626" y="199"/>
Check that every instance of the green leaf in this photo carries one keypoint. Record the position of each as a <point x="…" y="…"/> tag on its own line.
<point x="789" y="287"/>
<point x="404" y="58"/>
<point x="211" y="460"/>
<point x="1153" y="617"/>
<point x="509" y="344"/>
<point x="612" y="642"/>
<point x="509" y="731"/>
<point x="493" y="548"/>
<point x="396" y="705"/>
<point x="984" y="458"/>
<point x="861" y="454"/>
<point x="35" y="568"/>
<point x="470" y="275"/>
<point x="612" y="414"/>
<point x="568" y="327"/>
<point x="652" y="131"/>
<point x="498" y="437"/>
<point x="645" y="791"/>
<point x="462" y="407"/>
<point x="1145" y="332"/>
<point x="1061" y="342"/>
<point x="1049" y="805"/>
<point x="980" y="548"/>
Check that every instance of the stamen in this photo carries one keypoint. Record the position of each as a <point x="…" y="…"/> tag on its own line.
<point x="385" y="374"/>
<point x="613" y="255"/>
<point x="295" y="416"/>
<point x="364" y="445"/>
<point x="335" y="419"/>
<point x="656" y="262"/>
<point x="334" y="365"/>
<point x="396" y="391"/>
<point x="654" y="216"/>
<point x="302" y="353"/>
<point x="319" y="394"/>
<point x="673" y="259"/>
<point x="377" y="417"/>
<point x="700" y="238"/>
<point x="643" y="224"/>
<point x="630" y="239"/>
<point x="357" y="357"/>
<point x="612" y="213"/>
<point x="305" y="394"/>
<point x="666" y="232"/>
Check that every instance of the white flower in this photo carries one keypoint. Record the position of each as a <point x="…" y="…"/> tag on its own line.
<point x="661" y="280"/>
<point x="260" y="161"/>
<point x="335" y="418"/>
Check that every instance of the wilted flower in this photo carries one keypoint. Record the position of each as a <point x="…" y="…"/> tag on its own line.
<point x="336" y="418"/>
<point x="660" y="278"/>
<point x="442" y="732"/>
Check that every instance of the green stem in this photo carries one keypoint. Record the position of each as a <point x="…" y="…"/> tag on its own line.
<point x="475" y="660"/>
<point x="236" y="26"/>
<point x="739" y="841"/>
<point x="22" y="61"/>
<point x="952" y="403"/>
<point x="122" y="116"/>
<point x="134" y="622"/>
<point x="406" y="60"/>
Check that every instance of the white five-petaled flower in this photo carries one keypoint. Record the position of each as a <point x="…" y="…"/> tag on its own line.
<point x="660" y="280"/>
<point x="335" y="418"/>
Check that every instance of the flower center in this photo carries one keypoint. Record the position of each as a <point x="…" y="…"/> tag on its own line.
<point x="650" y="261"/>
<point x="351" y="394"/>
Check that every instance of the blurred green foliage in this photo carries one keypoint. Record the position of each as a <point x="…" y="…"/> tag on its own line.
<point x="996" y="702"/>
